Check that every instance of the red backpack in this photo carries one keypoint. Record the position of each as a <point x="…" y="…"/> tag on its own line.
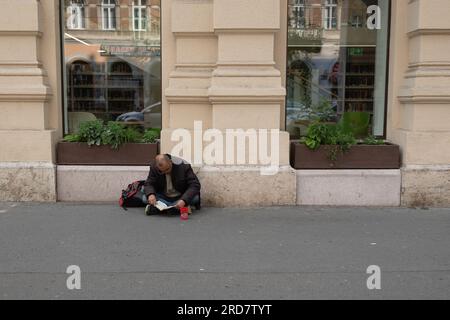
<point x="133" y="195"/>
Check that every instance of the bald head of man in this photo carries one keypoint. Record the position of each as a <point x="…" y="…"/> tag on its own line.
<point x="163" y="163"/>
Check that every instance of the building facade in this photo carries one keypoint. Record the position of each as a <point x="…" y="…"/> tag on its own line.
<point x="209" y="66"/>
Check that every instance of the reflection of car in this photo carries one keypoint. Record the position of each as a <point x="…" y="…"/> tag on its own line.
<point x="150" y="116"/>
<point x="299" y="116"/>
<point x="131" y="116"/>
<point x="296" y="110"/>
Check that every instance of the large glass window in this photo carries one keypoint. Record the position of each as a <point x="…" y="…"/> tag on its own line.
<point x="337" y="63"/>
<point x="110" y="73"/>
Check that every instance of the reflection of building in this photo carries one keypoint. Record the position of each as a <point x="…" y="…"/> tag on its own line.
<point x="121" y="17"/>
<point x="341" y="60"/>
<point x="224" y="63"/>
<point x="314" y="14"/>
<point x="112" y="52"/>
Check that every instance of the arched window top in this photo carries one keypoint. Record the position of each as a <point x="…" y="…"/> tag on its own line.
<point x="80" y="66"/>
<point x="121" y="67"/>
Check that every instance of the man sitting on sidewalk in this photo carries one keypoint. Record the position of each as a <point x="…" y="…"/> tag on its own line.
<point x="172" y="181"/>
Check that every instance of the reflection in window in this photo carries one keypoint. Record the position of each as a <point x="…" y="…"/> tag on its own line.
<point x="75" y="14"/>
<point x="109" y="14"/>
<point x="337" y="66"/>
<point x="139" y="15"/>
<point x="114" y="76"/>
<point x="298" y="14"/>
<point x="330" y="14"/>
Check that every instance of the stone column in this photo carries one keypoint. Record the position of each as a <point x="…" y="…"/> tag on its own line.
<point x="26" y="138"/>
<point x="421" y="119"/>
<point x="222" y="73"/>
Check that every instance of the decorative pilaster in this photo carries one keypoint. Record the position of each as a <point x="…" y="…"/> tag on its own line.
<point x="26" y="141"/>
<point x="223" y="74"/>
<point x="190" y="54"/>
<point x="424" y="116"/>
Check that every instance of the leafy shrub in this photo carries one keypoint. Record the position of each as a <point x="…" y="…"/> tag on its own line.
<point x="371" y="140"/>
<point x="151" y="135"/>
<point x="72" y="138"/>
<point x="91" y="132"/>
<point x="115" y="134"/>
<point x="329" y="134"/>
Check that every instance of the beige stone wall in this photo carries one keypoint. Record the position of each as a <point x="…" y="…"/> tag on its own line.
<point x="30" y="99"/>
<point x="27" y="181"/>
<point x="419" y="98"/>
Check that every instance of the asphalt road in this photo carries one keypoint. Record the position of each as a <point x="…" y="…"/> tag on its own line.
<point x="268" y="253"/>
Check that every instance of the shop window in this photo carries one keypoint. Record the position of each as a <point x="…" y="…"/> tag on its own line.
<point x="109" y="14"/>
<point x="113" y="76"/>
<point x="337" y="66"/>
<point x="75" y="10"/>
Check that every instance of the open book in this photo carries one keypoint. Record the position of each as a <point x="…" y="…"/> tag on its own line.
<point x="162" y="206"/>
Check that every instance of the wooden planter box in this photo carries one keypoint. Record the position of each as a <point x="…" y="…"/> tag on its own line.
<point x="74" y="153"/>
<point x="358" y="157"/>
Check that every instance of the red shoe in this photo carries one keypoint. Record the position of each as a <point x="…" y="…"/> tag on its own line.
<point x="184" y="213"/>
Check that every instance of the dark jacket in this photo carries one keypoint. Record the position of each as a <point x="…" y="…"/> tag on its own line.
<point x="184" y="181"/>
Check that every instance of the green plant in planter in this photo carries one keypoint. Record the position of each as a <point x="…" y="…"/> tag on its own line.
<point x="151" y="135"/>
<point x="372" y="141"/>
<point x="72" y="138"/>
<point x="115" y="134"/>
<point x="89" y="131"/>
<point x="329" y="134"/>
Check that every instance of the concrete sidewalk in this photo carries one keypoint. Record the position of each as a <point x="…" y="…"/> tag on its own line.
<point x="269" y="253"/>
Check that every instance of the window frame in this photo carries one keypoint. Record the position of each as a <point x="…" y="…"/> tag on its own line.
<point x="330" y="7"/>
<point x="109" y="20"/>
<point x="299" y="7"/>
<point x="62" y="20"/>
<point x="79" y="20"/>
<point x="141" y="18"/>
<point x="387" y="87"/>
